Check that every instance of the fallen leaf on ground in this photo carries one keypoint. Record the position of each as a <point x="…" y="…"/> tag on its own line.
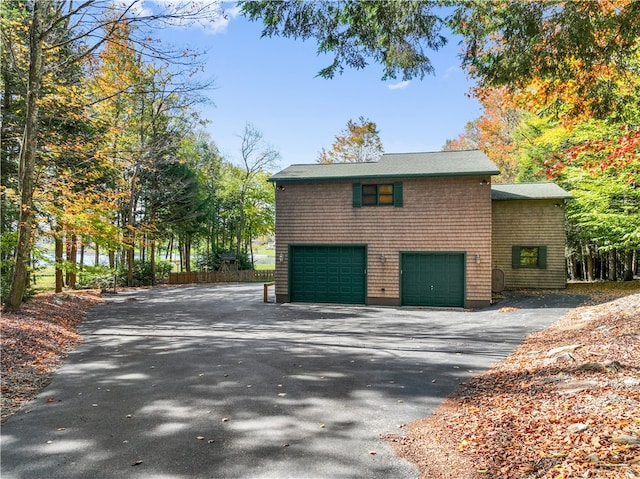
<point x="33" y="342"/>
<point x="528" y="417"/>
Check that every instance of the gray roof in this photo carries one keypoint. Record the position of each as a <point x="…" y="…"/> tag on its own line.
<point x="395" y="165"/>
<point x="527" y="191"/>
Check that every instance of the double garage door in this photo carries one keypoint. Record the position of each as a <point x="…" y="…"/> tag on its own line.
<point x="337" y="274"/>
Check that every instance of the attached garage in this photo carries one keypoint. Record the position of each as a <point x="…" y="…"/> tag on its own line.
<point x="328" y="274"/>
<point x="432" y="279"/>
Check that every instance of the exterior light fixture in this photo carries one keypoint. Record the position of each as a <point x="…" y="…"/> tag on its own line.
<point x="382" y="258"/>
<point x="477" y="259"/>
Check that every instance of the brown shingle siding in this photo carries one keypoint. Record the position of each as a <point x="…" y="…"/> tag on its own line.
<point x="439" y="214"/>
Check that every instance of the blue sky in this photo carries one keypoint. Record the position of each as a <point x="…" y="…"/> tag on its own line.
<point x="272" y="84"/>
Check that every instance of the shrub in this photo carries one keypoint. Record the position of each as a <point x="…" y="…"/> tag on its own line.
<point x="101" y="277"/>
<point x="142" y="273"/>
<point x="212" y="261"/>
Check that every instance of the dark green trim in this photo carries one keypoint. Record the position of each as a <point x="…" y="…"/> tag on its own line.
<point x="289" y="271"/>
<point x="311" y="179"/>
<point x="515" y="257"/>
<point x="357" y="195"/>
<point x="542" y="257"/>
<point x="397" y="194"/>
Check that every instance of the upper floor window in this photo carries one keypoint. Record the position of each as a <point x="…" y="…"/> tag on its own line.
<point x="529" y="257"/>
<point x="382" y="194"/>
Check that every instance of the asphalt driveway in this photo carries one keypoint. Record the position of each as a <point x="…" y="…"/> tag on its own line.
<point x="210" y="382"/>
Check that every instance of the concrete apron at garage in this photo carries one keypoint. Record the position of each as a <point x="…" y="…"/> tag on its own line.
<point x="208" y="381"/>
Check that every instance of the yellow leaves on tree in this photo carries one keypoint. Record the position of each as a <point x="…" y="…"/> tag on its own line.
<point x="358" y="142"/>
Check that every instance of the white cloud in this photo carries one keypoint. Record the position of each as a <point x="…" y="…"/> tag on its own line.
<point x="212" y="16"/>
<point x="453" y="70"/>
<point x="399" y="86"/>
<point x="137" y="9"/>
<point x="222" y="22"/>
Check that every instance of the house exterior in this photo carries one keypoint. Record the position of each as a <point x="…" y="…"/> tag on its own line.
<point x="411" y="229"/>
<point x="528" y="234"/>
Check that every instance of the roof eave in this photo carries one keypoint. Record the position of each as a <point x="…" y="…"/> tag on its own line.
<point x="529" y="198"/>
<point x="275" y="179"/>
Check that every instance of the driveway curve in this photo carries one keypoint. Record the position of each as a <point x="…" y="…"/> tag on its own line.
<point x="208" y="381"/>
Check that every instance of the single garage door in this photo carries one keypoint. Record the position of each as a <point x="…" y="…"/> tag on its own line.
<point x="433" y="279"/>
<point x="327" y="274"/>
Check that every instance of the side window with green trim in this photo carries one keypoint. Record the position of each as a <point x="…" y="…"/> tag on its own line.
<point x="528" y="257"/>
<point x="386" y="194"/>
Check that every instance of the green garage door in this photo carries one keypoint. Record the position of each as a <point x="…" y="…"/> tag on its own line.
<point x="327" y="274"/>
<point x="433" y="279"/>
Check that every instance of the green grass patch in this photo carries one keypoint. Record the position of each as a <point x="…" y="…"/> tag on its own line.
<point x="44" y="279"/>
<point x="264" y="267"/>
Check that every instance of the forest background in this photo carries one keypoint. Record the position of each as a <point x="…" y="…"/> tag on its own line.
<point x="102" y="143"/>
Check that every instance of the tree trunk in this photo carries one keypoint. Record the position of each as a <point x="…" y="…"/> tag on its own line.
<point x="187" y="252"/>
<point x="59" y="249"/>
<point x="81" y="255"/>
<point x="96" y="258"/>
<point x="72" y="258"/>
<point x="588" y="264"/>
<point x="627" y="266"/>
<point x="28" y="151"/>
<point x="251" y="246"/>
<point x="572" y="265"/>
<point x="67" y="255"/>
<point x="130" y="236"/>
<point x="613" y="275"/>
<point x="152" y="258"/>
<point x="240" y="227"/>
<point x="130" y="260"/>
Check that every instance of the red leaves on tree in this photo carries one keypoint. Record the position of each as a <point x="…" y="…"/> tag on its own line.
<point x="598" y="156"/>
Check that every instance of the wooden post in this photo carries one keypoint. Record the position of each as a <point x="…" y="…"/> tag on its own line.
<point x="266" y="291"/>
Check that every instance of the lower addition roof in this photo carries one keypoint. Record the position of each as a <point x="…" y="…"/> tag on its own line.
<point x="527" y="191"/>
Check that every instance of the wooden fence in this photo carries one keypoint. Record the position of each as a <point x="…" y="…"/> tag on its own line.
<point x="222" y="277"/>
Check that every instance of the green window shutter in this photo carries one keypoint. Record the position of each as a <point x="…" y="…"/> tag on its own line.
<point x="542" y="257"/>
<point x="397" y="194"/>
<point x="515" y="257"/>
<point x="357" y="195"/>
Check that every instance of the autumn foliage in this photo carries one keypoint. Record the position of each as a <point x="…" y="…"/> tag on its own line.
<point x="118" y="160"/>
<point x="601" y="156"/>
<point x="357" y="143"/>
<point x="560" y="86"/>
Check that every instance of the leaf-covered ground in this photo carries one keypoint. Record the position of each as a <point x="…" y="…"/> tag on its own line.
<point x="565" y="404"/>
<point x="34" y="341"/>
